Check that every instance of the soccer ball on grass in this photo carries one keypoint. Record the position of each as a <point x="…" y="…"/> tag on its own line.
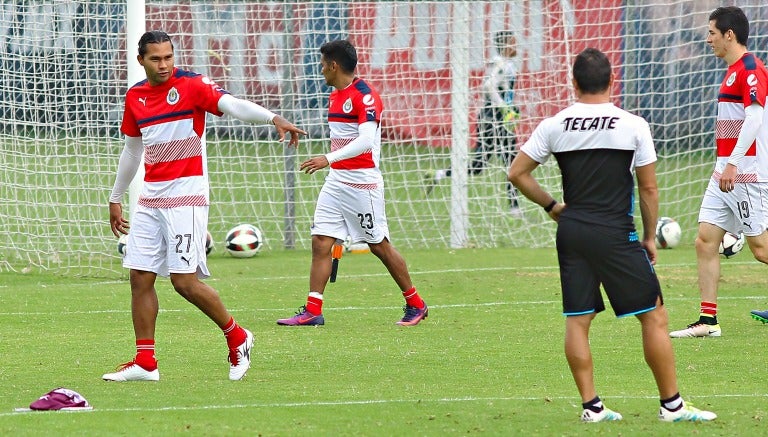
<point x="121" y="242"/>
<point x="361" y="247"/>
<point x="244" y="241"/>
<point x="208" y="243"/>
<point x="731" y="244"/>
<point x="668" y="233"/>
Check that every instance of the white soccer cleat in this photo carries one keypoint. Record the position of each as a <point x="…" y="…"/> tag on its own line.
<point x="131" y="371"/>
<point x="240" y="358"/>
<point x="687" y="413"/>
<point x="697" y="330"/>
<point x="606" y="415"/>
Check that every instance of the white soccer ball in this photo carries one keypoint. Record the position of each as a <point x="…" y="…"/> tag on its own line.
<point x="244" y="241"/>
<point x="121" y="242"/>
<point x="668" y="233"/>
<point x="208" y="243"/>
<point x="731" y="244"/>
<point x="361" y="247"/>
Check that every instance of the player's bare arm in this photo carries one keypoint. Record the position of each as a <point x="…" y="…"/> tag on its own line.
<point x="648" y="193"/>
<point x="521" y="177"/>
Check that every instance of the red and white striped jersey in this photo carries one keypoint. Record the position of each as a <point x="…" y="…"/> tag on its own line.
<point x="170" y="119"/>
<point x="347" y="110"/>
<point x="745" y="83"/>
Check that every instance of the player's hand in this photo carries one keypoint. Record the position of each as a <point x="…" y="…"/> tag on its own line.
<point x="283" y="126"/>
<point x="650" y="250"/>
<point x="116" y="221"/>
<point x="728" y="178"/>
<point x="556" y="210"/>
<point x="314" y="164"/>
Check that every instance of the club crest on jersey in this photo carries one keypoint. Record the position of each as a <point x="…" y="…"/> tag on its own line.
<point x="731" y="79"/>
<point x="368" y="100"/>
<point x="752" y="80"/>
<point x="173" y="96"/>
<point x="347" y="108"/>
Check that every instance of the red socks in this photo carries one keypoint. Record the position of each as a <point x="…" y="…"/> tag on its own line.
<point x="413" y="299"/>
<point x="145" y="354"/>
<point x="708" y="309"/>
<point x="315" y="303"/>
<point x="234" y="333"/>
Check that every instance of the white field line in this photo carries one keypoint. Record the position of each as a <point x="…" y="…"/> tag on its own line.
<point x="375" y="402"/>
<point x="192" y="309"/>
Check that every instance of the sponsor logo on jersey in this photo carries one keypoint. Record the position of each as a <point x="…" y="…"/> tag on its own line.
<point x="752" y="80"/>
<point x="173" y="96"/>
<point x="731" y="79"/>
<point x="368" y="100"/>
<point x="347" y="108"/>
<point x="586" y="124"/>
<point x="206" y="80"/>
<point x="143" y="100"/>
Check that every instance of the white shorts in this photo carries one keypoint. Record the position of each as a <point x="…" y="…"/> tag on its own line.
<point x="745" y="209"/>
<point x="343" y="211"/>
<point x="168" y="240"/>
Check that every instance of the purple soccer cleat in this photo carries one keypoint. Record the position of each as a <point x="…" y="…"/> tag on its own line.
<point x="413" y="315"/>
<point x="303" y="318"/>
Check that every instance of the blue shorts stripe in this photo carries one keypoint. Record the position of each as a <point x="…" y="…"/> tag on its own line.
<point x="579" y="313"/>
<point x="637" y="312"/>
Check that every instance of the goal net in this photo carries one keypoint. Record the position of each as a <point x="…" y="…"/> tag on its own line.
<point x="64" y="75"/>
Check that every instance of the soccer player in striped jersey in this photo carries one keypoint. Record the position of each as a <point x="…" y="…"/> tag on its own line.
<point x="736" y="198"/>
<point x="351" y="202"/>
<point x="164" y="119"/>
<point x="600" y="150"/>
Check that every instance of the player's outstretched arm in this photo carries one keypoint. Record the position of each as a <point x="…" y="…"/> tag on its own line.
<point x="251" y="112"/>
<point x="283" y="126"/>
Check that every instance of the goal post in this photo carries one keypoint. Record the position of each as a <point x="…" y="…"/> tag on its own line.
<point x="135" y="26"/>
<point x="459" y="56"/>
<point x="66" y="65"/>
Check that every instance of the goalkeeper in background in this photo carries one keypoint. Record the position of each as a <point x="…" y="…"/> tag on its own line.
<point x="497" y="119"/>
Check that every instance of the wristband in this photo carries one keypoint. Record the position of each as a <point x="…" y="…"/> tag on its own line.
<point x="549" y="207"/>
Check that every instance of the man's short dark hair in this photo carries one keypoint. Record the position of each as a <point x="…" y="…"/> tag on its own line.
<point x="501" y="39"/>
<point x="592" y="71"/>
<point x="153" y="37"/>
<point x="342" y="52"/>
<point x="731" y="18"/>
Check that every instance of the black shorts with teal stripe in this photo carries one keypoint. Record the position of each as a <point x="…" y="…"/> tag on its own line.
<point x="591" y="256"/>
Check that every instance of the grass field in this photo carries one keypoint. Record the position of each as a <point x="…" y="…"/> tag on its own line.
<point x="488" y="360"/>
